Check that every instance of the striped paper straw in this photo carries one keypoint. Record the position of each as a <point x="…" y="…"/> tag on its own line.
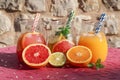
<point x="99" y="25"/>
<point x="71" y="16"/>
<point x="37" y="17"/>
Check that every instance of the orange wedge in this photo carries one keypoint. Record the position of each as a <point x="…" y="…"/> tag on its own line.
<point x="79" y="56"/>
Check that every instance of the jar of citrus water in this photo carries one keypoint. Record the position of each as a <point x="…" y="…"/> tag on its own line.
<point x="97" y="43"/>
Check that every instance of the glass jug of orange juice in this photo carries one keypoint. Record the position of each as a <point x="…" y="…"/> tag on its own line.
<point x="96" y="41"/>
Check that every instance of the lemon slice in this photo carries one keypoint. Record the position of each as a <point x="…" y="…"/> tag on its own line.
<point x="53" y="39"/>
<point x="57" y="59"/>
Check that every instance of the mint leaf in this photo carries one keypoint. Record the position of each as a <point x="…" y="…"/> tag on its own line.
<point x="66" y="30"/>
<point x="98" y="61"/>
<point x="90" y="65"/>
<point x="98" y="65"/>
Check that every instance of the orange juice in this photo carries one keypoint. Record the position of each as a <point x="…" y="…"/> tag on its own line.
<point x="97" y="43"/>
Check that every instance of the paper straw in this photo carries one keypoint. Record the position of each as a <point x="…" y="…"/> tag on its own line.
<point x="71" y="16"/>
<point x="37" y="17"/>
<point x="99" y="25"/>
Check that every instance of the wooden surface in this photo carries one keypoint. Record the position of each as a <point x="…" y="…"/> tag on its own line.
<point x="11" y="69"/>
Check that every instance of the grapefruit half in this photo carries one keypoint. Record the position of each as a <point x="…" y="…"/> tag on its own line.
<point x="36" y="55"/>
<point x="63" y="46"/>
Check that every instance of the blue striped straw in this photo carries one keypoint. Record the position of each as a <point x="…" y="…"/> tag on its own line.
<point x="102" y="18"/>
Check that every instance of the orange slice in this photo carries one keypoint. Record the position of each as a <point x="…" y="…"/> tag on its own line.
<point x="36" y="55"/>
<point x="79" y="56"/>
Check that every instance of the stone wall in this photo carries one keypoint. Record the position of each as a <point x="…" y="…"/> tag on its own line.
<point x="16" y="17"/>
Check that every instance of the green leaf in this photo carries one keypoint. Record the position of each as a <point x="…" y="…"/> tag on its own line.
<point x="66" y="30"/>
<point x="98" y="65"/>
<point x="91" y="65"/>
<point x="98" y="61"/>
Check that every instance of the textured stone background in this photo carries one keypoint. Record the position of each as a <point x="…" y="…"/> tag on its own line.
<point x="16" y="17"/>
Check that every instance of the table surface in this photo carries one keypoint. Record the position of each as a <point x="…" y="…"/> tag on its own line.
<point x="11" y="69"/>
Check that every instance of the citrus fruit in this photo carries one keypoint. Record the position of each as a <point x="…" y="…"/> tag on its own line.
<point x="79" y="56"/>
<point x="19" y="47"/>
<point x="28" y="38"/>
<point x="57" y="59"/>
<point x="53" y="39"/>
<point x="61" y="37"/>
<point x="63" y="46"/>
<point x="36" y="55"/>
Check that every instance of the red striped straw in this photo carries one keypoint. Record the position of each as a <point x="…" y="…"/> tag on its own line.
<point x="37" y="17"/>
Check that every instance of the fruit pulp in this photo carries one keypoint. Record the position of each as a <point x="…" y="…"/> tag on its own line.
<point x="57" y="59"/>
<point x="36" y="55"/>
<point x="97" y="43"/>
<point x="79" y="56"/>
<point x="55" y="39"/>
<point x="63" y="46"/>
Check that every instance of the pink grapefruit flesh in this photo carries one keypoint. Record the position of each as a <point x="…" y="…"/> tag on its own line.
<point x="63" y="46"/>
<point x="36" y="55"/>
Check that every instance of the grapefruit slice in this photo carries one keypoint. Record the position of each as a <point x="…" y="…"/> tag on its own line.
<point x="63" y="46"/>
<point x="57" y="59"/>
<point x="36" y="55"/>
<point x="79" y="56"/>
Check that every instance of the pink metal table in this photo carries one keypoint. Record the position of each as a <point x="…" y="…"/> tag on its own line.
<point x="11" y="69"/>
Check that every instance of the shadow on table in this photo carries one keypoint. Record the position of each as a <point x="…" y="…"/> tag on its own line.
<point x="10" y="60"/>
